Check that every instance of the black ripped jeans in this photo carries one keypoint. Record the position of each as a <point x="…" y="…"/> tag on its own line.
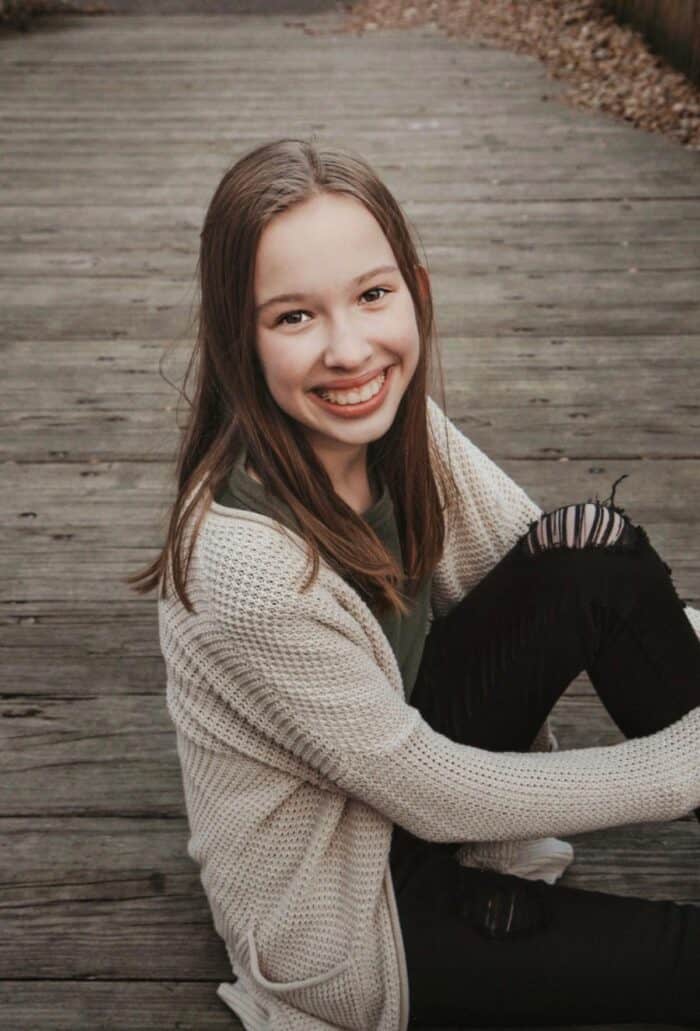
<point x="491" y="949"/>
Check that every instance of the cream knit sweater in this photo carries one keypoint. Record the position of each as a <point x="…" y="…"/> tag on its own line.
<point x="299" y="753"/>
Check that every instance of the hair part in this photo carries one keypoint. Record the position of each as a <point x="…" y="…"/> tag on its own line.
<point x="231" y="405"/>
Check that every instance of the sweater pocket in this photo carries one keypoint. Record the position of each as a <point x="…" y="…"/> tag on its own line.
<point x="334" y="995"/>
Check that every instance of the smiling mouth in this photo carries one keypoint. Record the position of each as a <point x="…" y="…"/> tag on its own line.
<point x="354" y="395"/>
<point x="360" y="401"/>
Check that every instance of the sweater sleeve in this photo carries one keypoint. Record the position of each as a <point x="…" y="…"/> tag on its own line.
<point x="488" y="515"/>
<point x="304" y="672"/>
<point x="533" y="858"/>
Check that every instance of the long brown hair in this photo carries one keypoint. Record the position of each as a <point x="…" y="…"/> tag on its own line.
<point x="232" y="405"/>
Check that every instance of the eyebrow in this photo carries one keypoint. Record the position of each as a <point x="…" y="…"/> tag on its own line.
<point x="300" y="297"/>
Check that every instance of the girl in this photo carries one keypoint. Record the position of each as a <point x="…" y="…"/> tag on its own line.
<point x="372" y="786"/>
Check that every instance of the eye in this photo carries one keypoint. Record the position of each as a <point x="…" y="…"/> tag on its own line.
<point x="373" y="289"/>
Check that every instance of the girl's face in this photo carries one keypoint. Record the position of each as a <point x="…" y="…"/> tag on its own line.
<point x="340" y="324"/>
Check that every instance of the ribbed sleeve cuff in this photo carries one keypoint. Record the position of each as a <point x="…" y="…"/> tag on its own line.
<point x="543" y="859"/>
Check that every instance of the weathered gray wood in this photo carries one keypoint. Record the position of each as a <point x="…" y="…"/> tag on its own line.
<point x="143" y="165"/>
<point x="562" y="363"/>
<point x="117" y="1005"/>
<point x="139" y="1005"/>
<point x="468" y="189"/>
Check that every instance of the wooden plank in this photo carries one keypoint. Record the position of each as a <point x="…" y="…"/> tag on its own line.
<point x="49" y="857"/>
<point x="645" y="854"/>
<point x="531" y="163"/>
<point x="143" y="925"/>
<point x="135" y="1005"/>
<point x="444" y="132"/>
<point x="66" y="672"/>
<point x="386" y="148"/>
<point x="101" y="635"/>
<point x="465" y="188"/>
<point x="93" y="755"/>
<point x="119" y="1005"/>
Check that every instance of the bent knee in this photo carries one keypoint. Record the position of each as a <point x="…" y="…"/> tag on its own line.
<point x="584" y="524"/>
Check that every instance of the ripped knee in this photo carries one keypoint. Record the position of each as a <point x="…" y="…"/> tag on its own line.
<point x="501" y="907"/>
<point x="584" y="524"/>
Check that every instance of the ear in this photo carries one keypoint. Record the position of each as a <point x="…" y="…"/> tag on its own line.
<point x="423" y="280"/>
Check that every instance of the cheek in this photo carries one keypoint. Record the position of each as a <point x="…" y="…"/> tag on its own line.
<point x="404" y="331"/>
<point x="280" y="364"/>
<point x="282" y="378"/>
<point x="406" y="344"/>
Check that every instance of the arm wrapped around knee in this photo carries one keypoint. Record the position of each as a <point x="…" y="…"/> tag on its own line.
<point x="543" y="859"/>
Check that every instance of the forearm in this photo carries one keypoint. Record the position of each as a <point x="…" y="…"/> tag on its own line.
<point x="505" y="796"/>
<point x="534" y="858"/>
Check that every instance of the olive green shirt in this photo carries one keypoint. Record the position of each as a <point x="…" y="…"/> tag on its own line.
<point x="406" y="634"/>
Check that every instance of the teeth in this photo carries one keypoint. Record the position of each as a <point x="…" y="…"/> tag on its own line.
<point x="353" y="397"/>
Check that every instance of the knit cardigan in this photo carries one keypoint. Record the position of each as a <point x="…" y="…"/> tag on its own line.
<point x="299" y="753"/>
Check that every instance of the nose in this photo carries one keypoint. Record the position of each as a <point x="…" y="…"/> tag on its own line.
<point x="346" y="348"/>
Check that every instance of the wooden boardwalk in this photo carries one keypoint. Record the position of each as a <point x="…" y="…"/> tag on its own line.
<point x="564" y="249"/>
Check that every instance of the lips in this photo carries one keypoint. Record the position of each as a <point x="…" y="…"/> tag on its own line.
<point x="350" y="384"/>
<point x="361" y="408"/>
